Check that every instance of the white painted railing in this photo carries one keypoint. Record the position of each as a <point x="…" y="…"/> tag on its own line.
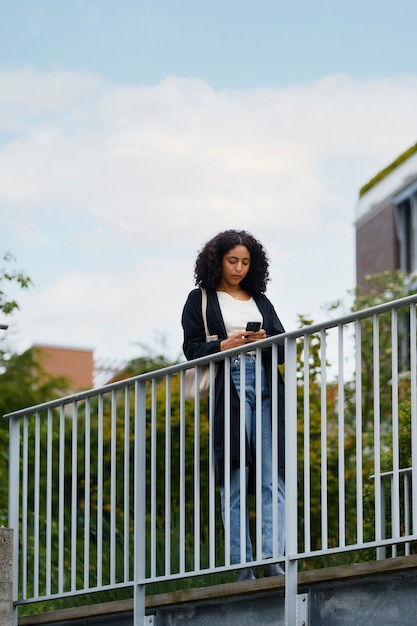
<point x="115" y="487"/>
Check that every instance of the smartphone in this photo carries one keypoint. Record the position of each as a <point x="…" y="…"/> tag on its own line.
<point x="255" y="326"/>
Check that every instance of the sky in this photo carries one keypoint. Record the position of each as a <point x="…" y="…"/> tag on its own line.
<point x="132" y="132"/>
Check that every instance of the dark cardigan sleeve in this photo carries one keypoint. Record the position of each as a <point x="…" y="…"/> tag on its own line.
<point x="195" y="344"/>
<point x="272" y="323"/>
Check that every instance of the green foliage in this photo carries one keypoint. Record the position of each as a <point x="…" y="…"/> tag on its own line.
<point x="387" y="170"/>
<point x="23" y="381"/>
<point x="149" y="362"/>
<point x="380" y="288"/>
<point x="383" y="287"/>
<point x="7" y="278"/>
<point x="404" y="459"/>
<point x="310" y="440"/>
<point x="185" y="431"/>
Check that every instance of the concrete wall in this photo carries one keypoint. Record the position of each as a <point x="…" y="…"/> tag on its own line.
<point x="6" y="576"/>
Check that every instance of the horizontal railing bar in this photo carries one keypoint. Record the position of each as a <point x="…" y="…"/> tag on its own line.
<point x="353" y="316"/>
<point x="263" y="343"/>
<point x="146" y="377"/>
<point x="76" y="592"/>
<point x="149" y="580"/>
<point x="402" y="470"/>
<point x="353" y="547"/>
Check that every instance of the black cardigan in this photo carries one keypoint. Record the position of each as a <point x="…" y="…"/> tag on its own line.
<point x="195" y="346"/>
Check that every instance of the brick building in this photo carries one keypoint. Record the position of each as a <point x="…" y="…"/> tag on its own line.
<point x="75" y="364"/>
<point x="386" y="219"/>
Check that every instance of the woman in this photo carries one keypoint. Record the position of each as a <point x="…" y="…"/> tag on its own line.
<point x="233" y="268"/>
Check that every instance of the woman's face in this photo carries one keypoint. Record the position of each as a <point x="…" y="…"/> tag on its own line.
<point x="235" y="265"/>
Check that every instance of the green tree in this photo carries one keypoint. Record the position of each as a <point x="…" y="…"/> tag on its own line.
<point x="310" y="442"/>
<point x="23" y="380"/>
<point x="170" y="426"/>
<point x="380" y="288"/>
<point x="8" y="277"/>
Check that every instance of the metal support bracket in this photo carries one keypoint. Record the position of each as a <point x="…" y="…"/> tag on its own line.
<point x="302" y="609"/>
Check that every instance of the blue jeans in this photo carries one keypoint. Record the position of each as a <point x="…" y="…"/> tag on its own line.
<point x="269" y="500"/>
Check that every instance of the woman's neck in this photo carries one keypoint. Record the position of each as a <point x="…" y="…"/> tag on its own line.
<point x="235" y="292"/>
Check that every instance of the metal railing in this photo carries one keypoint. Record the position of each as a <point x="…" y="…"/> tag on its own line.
<point x="116" y="487"/>
<point x="396" y="498"/>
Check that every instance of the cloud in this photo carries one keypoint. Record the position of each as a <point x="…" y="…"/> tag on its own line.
<point x="30" y="234"/>
<point x="111" y="313"/>
<point x="128" y="182"/>
<point x="28" y="97"/>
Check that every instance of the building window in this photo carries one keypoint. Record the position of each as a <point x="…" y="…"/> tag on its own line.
<point x="406" y="227"/>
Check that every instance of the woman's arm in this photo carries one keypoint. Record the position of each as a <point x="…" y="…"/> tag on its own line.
<point x="195" y="344"/>
<point x="272" y="323"/>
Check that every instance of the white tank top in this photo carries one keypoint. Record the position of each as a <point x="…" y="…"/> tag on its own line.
<point x="237" y="313"/>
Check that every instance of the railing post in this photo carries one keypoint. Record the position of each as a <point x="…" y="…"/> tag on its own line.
<point x="140" y="504"/>
<point x="413" y="379"/>
<point x="14" y="484"/>
<point x="381" y="552"/>
<point x="291" y="527"/>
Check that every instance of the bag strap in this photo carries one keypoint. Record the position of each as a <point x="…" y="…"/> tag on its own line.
<point x="204" y="309"/>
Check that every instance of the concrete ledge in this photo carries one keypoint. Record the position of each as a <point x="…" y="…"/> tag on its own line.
<point x="359" y="570"/>
<point x="260" y="586"/>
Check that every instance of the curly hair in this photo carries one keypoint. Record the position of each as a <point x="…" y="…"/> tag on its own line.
<point x="208" y="266"/>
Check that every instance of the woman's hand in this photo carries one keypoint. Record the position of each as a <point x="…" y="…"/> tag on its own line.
<point x="242" y="338"/>
<point x="257" y="335"/>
